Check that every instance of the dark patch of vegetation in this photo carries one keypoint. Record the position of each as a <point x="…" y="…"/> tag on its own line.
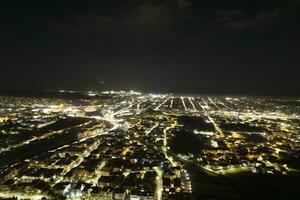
<point x="246" y="127"/>
<point x="268" y="187"/>
<point x="186" y="142"/>
<point x="255" y="138"/>
<point x="199" y="123"/>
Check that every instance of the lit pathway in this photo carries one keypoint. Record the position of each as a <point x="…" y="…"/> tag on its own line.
<point x="208" y="116"/>
<point x="158" y="107"/>
<point x="183" y="103"/>
<point x="191" y="101"/>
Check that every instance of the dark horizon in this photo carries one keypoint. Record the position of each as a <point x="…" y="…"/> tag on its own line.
<point x="162" y="46"/>
<point x="73" y="93"/>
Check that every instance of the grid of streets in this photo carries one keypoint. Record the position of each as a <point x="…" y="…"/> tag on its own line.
<point x="128" y="145"/>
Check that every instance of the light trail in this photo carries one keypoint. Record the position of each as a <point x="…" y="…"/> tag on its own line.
<point x="210" y="119"/>
<point x="172" y="100"/>
<point x="159" y="183"/>
<point x="158" y="107"/>
<point x="202" y="107"/>
<point x="165" y="150"/>
<point x="152" y="128"/>
<point x="190" y="99"/>
<point x="220" y="102"/>
<point x="98" y="174"/>
<point x="183" y="103"/>
<point x="214" y="103"/>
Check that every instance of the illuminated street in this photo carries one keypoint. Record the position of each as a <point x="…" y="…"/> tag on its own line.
<point x="144" y="146"/>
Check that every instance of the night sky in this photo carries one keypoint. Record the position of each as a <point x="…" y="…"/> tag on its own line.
<point x="180" y="46"/>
